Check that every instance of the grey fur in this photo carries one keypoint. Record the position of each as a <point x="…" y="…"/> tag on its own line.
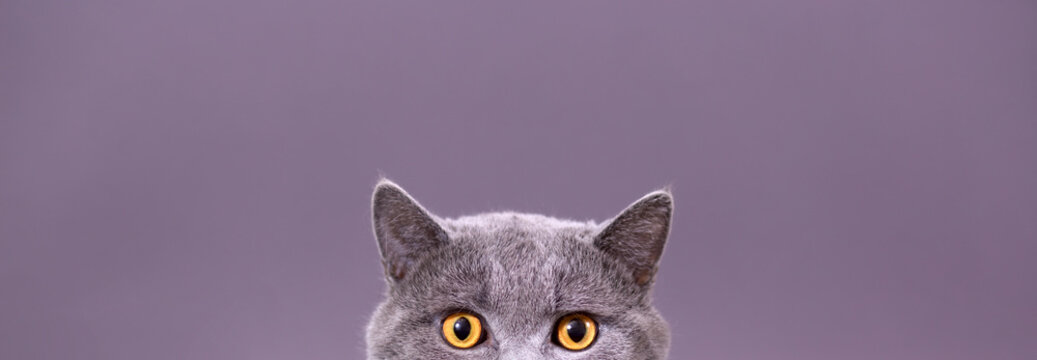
<point x="520" y="273"/>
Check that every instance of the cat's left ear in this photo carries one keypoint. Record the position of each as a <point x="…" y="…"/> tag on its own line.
<point x="637" y="235"/>
<point x="404" y="229"/>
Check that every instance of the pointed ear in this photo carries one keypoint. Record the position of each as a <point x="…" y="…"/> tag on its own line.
<point x="637" y="235"/>
<point x="403" y="228"/>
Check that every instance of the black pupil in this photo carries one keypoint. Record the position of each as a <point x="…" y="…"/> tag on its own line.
<point x="576" y="329"/>
<point x="462" y="328"/>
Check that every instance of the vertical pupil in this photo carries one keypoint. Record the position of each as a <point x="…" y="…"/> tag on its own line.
<point x="462" y="328"/>
<point x="576" y="330"/>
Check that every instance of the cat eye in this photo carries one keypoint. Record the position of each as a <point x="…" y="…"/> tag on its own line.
<point x="463" y="330"/>
<point x="575" y="332"/>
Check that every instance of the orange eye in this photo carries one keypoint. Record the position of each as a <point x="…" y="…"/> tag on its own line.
<point x="576" y="332"/>
<point x="462" y="330"/>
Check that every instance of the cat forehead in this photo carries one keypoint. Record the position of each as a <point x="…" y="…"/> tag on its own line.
<point x="510" y="261"/>
<point x="504" y="228"/>
<point x="522" y="242"/>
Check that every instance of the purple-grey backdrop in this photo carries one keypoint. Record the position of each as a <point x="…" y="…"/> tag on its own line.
<point x="190" y="179"/>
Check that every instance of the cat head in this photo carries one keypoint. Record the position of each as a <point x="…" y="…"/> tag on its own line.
<point x="517" y="286"/>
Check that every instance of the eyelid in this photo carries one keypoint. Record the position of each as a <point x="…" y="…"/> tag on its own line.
<point x="600" y="318"/>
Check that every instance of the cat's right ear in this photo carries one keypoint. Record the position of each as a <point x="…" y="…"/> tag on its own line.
<point x="403" y="228"/>
<point x="637" y="236"/>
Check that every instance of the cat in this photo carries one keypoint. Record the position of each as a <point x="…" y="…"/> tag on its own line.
<point x="515" y="286"/>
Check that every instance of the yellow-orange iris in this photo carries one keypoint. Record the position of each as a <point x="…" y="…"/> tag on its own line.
<point x="576" y="331"/>
<point x="462" y="330"/>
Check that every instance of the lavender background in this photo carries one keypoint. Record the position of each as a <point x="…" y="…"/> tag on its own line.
<point x="189" y="179"/>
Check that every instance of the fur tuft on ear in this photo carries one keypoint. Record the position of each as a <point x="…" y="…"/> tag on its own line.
<point x="403" y="228"/>
<point x="638" y="234"/>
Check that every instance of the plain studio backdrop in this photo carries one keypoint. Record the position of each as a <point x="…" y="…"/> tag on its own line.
<point x="191" y="179"/>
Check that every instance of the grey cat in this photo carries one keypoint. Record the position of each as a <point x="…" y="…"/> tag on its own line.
<point x="517" y="286"/>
